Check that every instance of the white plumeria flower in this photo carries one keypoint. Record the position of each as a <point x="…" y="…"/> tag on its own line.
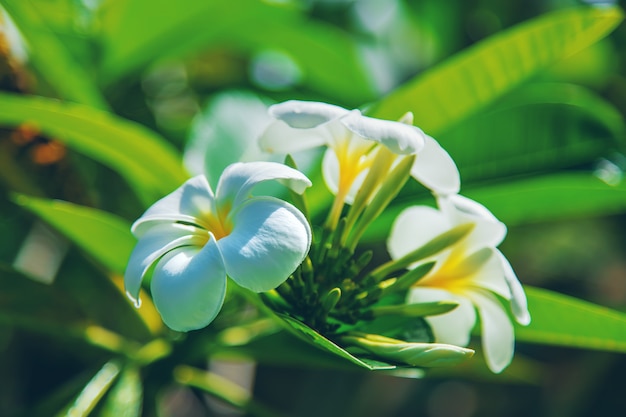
<point x="350" y="138"/>
<point x="472" y="272"/>
<point x="193" y="239"/>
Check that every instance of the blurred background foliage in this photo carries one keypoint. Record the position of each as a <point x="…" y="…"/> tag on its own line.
<point x="534" y="119"/>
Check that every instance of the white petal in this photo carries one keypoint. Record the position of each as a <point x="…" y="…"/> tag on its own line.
<point x="187" y="203"/>
<point x="398" y="137"/>
<point x="488" y="230"/>
<point x="269" y="241"/>
<point x="189" y="285"/>
<point x="413" y="228"/>
<point x="306" y="114"/>
<point x="519" y="304"/>
<point x="279" y="137"/>
<point x="454" y="327"/>
<point x="434" y="168"/>
<point x="155" y="242"/>
<point x="498" y="338"/>
<point x="238" y="179"/>
<point x="488" y="275"/>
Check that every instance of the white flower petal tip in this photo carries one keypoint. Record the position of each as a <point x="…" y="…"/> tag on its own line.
<point x="192" y="238"/>
<point x="306" y="114"/>
<point x="400" y="138"/>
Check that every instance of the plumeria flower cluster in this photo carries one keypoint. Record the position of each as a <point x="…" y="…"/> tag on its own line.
<point x="443" y="273"/>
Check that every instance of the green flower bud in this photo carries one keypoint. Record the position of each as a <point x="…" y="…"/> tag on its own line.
<point x="414" y="354"/>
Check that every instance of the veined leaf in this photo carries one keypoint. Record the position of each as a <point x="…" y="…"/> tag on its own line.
<point x="551" y="197"/>
<point x="529" y="200"/>
<point x="50" y="56"/>
<point x="142" y="157"/>
<point x="566" y="321"/>
<point x="470" y="80"/>
<point x="539" y="128"/>
<point x="104" y="236"/>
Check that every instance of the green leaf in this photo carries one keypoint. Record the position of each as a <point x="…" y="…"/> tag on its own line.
<point x="68" y="309"/>
<point x="326" y="57"/>
<point x="51" y="57"/>
<point x="142" y="157"/>
<point x="104" y="236"/>
<point x="125" y="398"/>
<point x="566" y="321"/>
<point x="33" y="305"/>
<point x="541" y="127"/>
<point x="305" y="333"/>
<point x="551" y="197"/>
<point x="530" y="200"/>
<point x="95" y="389"/>
<point x="475" y="77"/>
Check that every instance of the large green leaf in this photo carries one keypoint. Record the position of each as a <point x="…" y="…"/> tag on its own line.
<point x="541" y="127"/>
<point x="30" y="304"/>
<point x="50" y="56"/>
<point x="470" y="80"/>
<point x="529" y="200"/>
<point x="566" y="321"/>
<point x="102" y="235"/>
<point x="551" y="197"/>
<point x="76" y="307"/>
<point x="142" y="157"/>
<point x="326" y="57"/>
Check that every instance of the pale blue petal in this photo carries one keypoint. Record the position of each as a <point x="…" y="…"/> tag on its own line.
<point x="306" y="114"/>
<point x="155" y="242"/>
<point x="519" y="304"/>
<point x="238" y="179"/>
<point x="188" y="203"/>
<point x="188" y="286"/>
<point x="400" y="138"/>
<point x="498" y="338"/>
<point x="270" y="239"/>
<point x="435" y="169"/>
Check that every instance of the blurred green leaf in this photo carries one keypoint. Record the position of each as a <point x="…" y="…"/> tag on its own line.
<point x="104" y="236"/>
<point x="566" y="321"/>
<point x="541" y="127"/>
<point x="95" y="389"/>
<point x="67" y="310"/>
<point x="326" y="57"/>
<point x="530" y="200"/>
<point x="125" y="398"/>
<point x="30" y="304"/>
<point x="552" y="197"/>
<point x="470" y="80"/>
<point x="142" y="157"/>
<point x="221" y="388"/>
<point x="51" y="57"/>
<point x="305" y="333"/>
